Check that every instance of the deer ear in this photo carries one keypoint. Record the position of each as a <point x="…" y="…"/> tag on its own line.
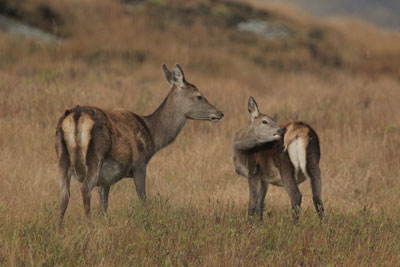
<point x="177" y="76"/>
<point x="168" y="74"/>
<point x="253" y="108"/>
<point x="275" y="116"/>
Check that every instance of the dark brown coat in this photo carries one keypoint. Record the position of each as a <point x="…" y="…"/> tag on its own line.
<point x="100" y="147"/>
<point x="285" y="162"/>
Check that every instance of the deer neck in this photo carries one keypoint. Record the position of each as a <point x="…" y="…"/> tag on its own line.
<point x="165" y="123"/>
<point x="246" y="139"/>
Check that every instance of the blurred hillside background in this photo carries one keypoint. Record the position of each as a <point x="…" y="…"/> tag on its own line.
<point x="340" y="75"/>
<point x="381" y="12"/>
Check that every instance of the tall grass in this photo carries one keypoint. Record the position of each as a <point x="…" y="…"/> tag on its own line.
<point x="196" y="214"/>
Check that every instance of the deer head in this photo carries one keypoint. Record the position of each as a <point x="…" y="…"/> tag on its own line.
<point x="264" y="127"/>
<point x="189" y="100"/>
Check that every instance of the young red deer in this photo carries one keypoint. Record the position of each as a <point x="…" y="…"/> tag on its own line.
<point x="262" y="156"/>
<point x="100" y="147"/>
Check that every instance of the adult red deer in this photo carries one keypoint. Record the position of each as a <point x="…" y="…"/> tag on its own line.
<point x="100" y="147"/>
<point x="266" y="154"/>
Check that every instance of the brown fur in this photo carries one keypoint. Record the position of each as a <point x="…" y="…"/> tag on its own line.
<point x="294" y="130"/>
<point x="270" y="162"/>
<point x="121" y="133"/>
<point x="99" y="147"/>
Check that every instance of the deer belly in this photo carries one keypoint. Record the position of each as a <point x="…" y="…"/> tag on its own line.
<point x="270" y="173"/>
<point x="272" y="176"/>
<point x="111" y="172"/>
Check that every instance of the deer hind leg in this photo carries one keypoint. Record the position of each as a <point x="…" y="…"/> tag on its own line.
<point x="288" y="178"/>
<point x="86" y="197"/>
<point x="254" y="191"/>
<point x="261" y="199"/>
<point x="103" y="195"/>
<point x="65" y="174"/>
<point x="92" y="177"/>
<point x="315" y="180"/>
<point x="295" y="198"/>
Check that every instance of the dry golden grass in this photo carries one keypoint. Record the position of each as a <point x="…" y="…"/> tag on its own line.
<point x="197" y="205"/>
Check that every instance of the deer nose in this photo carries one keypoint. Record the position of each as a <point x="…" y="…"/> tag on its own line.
<point x="218" y="116"/>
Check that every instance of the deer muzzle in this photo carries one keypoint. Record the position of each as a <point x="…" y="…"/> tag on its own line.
<point x="217" y="117"/>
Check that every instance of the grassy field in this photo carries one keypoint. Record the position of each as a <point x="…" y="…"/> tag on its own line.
<point x="341" y="77"/>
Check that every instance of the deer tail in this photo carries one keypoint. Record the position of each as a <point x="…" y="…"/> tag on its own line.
<point x="77" y="135"/>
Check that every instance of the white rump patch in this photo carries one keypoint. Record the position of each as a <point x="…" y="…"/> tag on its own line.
<point x="77" y="141"/>
<point x="68" y="127"/>
<point x="84" y="129"/>
<point x="298" y="156"/>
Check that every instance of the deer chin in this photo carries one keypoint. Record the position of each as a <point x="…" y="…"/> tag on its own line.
<point x="277" y="136"/>
<point x="212" y="118"/>
<point x="215" y="119"/>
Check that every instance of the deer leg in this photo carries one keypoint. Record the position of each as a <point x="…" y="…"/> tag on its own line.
<point x="295" y="198"/>
<point x="139" y="177"/>
<point x="101" y="198"/>
<point x="289" y="181"/>
<point x="106" y="190"/>
<point x="65" y="179"/>
<point x="261" y="198"/>
<point x="315" y="180"/>
<point x="92" y="177"/>
<point x="86" y="197"/>
<point x="254" y="190"/>
<point x="93" y="172"/>
<point x="103" y="195"/>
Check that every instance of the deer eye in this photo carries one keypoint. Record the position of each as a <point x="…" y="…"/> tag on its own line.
<point x="265" y="122"/>
<point x="199" y="97"/>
